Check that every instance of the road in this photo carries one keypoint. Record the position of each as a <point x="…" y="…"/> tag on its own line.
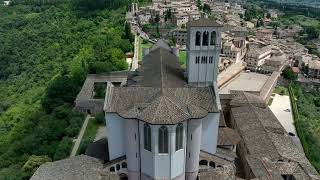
<point x="78" y="140"/>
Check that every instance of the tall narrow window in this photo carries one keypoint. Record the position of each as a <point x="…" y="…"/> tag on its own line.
<point x="163" y="139"/>
<point x="147" y="137"/>
<point x="205" y="38"/>
<point x="210" y="59"/>
<point x="197" y="59"/>
<point x="179" y="137"/>
<point x="198" y="38"/>
<point x="213" y="38"/>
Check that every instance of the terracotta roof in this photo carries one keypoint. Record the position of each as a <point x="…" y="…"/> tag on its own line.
<point x="228" y="136"/>
<point x="203" y="22"/>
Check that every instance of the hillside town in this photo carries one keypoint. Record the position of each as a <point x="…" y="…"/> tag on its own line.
<point x="259" y="49"/>
<point x="213" y="115"/>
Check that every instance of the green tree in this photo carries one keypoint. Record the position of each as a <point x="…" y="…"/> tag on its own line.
<point x="288" y="73"/>
<point x="34" y="162"/>
<point x="61" y="90"/>
<point x="78" y="68"/>
<point x="206" y="8"/>
<point x="157" y="19"/>
<point x="128" y="33"/>
<point x="168" y="15"/>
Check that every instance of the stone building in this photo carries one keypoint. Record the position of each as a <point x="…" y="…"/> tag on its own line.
<point x="161" y="121"/>
<point x="276" y="62"/>
<point x="314" y="69"/>
<point x="266" y="150"/>
<point x="256" y="56"/>
<point x="264" y="33"/>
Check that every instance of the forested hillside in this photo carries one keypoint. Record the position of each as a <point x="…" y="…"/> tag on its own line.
<point x="46" y="50"/>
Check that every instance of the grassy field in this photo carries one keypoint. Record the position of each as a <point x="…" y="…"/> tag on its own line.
<point x="143" y="45"/>
<point x="183" y="58"/>
<point x="281" y="90"/>
<point x="88" y="135"/>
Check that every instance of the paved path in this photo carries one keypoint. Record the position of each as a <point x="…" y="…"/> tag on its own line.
<point x="101" y="133"/>
<point x="78" y="140"/>
<point x="280" y="107"/>
<point x="135" y="60"/>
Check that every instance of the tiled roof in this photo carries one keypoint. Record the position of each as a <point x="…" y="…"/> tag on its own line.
<point x="203" y="22"/>
<point x="76" y="168"/>
<point x="266" y="140"/>
<point x="162" y="106"/>
<point x="228" y="136"/>
<point x="158" y="93"/>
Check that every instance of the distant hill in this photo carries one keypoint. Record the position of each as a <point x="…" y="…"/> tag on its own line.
<point x="308" y="3"/>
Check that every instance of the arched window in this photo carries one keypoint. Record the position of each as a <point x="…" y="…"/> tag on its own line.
<point x="124" y="165"/>
<point x="147" y="137"/>
<point x="203" y="163"/>
<point x="212" y="164"/>
<point x="163" y="139"/>
<point x="179" y="137"/>
<point x="205" y="38"/>
<point x="198" y="38"/>
<point x="213" y="38"/>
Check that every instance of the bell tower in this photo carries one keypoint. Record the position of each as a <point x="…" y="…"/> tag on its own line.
<point x="203" y="50"/>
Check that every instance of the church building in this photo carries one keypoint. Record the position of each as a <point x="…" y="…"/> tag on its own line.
<point x="165" y="116"/>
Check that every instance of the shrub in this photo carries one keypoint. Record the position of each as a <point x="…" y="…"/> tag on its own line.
<point x="34" y="162"/>
<point x="100" y="119"/>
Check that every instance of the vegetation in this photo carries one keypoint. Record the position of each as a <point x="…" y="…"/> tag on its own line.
<point x="183" y="58"/>
<point x="281" y="90"/>
<point x="46" y="50"/>
<point x="89" y="135"/>
<point x="288" y="73"/>
<point x="144" y="44"/>
<point x="254" y="12"/>
<point x="306" y="112"/>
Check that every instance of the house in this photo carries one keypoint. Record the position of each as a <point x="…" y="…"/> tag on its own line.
<point x="256" y="56"/>
<point x="264" y="34"/>
<point x="314" y="69"/>
<point x="276" y="62"/>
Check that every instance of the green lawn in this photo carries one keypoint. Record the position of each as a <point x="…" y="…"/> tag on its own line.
<point x="142" y="46"/>
<point x="183" y="58"/>
<point x="88" y="135"/>
<point x="281" y="90"/>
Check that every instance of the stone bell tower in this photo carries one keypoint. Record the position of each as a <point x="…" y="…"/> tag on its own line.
<point x="203" y="50"/>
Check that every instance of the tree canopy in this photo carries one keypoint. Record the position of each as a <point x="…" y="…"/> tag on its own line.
<point x="46" y="50"/>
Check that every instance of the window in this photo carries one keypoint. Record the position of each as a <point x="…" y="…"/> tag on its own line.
<point x="197" y="60"/>
<point x="210" y="59"/>
<point x="212" y="164"/>
<point x="124" y="165"/>
<point x="202" y="59"/>
<point x="203" y="163"/>
<point x="206" y="60"/>
<point x="198" y="38"/>
<point x="213" y="38"/>
<point x="163" y="139"/>
<point x="179" y="137"/>
<point x="147" y="137"/>
<point x="205" y="38"/>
